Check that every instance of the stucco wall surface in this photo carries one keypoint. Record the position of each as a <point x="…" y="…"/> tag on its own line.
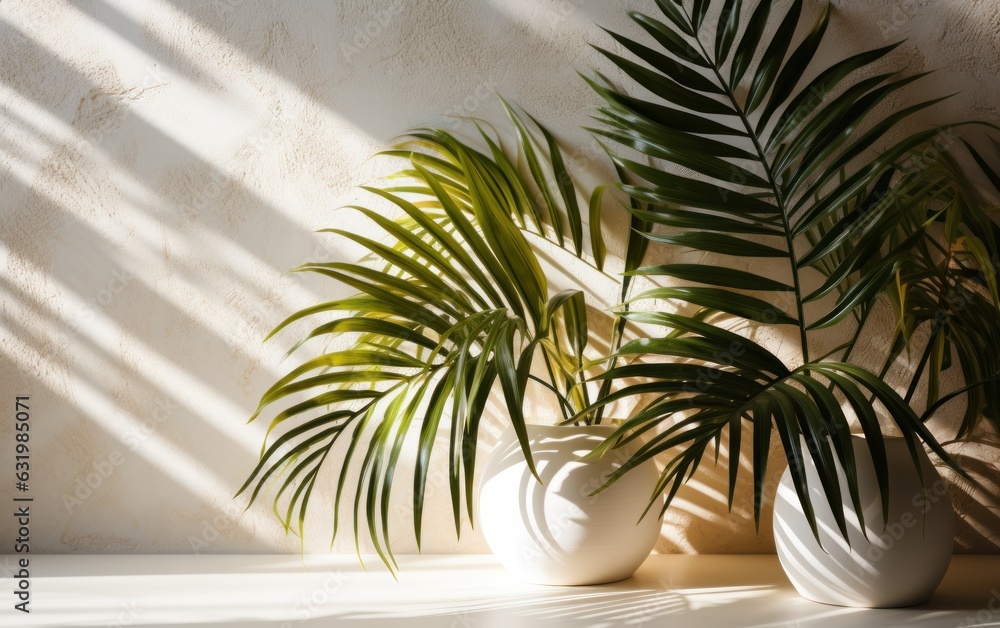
<point x="164" y="162"/>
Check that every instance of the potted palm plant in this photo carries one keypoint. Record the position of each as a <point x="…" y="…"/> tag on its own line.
<point x="805" y="217"/>
<point x="750" y="157"/>
<point x="454" y="306"/>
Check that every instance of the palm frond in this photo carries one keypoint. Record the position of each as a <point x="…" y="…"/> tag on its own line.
<point x="452" y="302"/>
<point x="947" y="283"/>
<point x="746" y="158"/>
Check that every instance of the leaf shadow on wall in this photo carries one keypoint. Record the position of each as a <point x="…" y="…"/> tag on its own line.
<point x="159" y="334"/>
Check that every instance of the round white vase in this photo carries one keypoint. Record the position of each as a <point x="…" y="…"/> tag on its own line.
<point x="556" y="532"/>
<point x="900" y="564"/>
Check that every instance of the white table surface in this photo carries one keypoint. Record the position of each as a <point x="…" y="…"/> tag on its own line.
<point x="456" y="591"/>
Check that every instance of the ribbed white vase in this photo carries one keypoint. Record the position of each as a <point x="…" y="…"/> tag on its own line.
<point x="556" y="532"/>
<point x="900" y="564"/>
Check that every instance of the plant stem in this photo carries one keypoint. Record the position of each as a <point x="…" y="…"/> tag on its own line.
<point x="803" y="334"/>
<point x="564" y="406"/>
<point x="923" y="363"/>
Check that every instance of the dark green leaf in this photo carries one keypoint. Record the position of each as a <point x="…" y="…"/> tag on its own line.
<point x="771" y="62"/>
<point x="675" y="14"/>
<point x="793" y="70"/>
<point x="668" y="89"/>
<point x="715" y="276"/>
<point x="740" y="305"/>
<point x="748" y="43"/>
<point x="673" y="43"/>
<point x="719" y="243"/>
<point x="725" y="33"/>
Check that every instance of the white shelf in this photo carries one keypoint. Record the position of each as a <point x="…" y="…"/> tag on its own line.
<point x="455" y="591"/>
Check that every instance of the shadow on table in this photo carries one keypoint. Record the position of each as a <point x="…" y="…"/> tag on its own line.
<point x="698" y="591"/>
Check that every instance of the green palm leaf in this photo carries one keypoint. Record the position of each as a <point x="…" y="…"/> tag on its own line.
<point x="451" y="300"/>
<point x="947" y="283"/>
<point x="796" y="179"/>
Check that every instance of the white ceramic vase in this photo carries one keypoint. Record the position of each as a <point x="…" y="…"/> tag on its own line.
<point x="901" y="564"/>
<point x="556" y="532"/>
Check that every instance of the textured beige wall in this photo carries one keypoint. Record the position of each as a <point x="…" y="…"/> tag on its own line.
<point x="164" y="161"/>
